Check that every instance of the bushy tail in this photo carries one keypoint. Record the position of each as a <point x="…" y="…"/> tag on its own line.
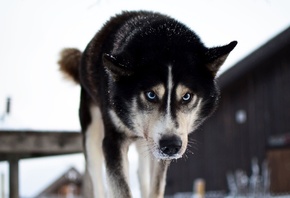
<point x="69" y="63"/>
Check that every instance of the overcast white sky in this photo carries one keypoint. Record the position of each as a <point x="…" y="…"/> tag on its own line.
<point x="33" y="32"/>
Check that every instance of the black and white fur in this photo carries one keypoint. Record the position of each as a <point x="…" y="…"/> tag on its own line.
<point x="145" y="78"/>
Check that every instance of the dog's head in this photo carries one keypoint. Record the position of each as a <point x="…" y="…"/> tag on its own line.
<point x="162" y="88"/>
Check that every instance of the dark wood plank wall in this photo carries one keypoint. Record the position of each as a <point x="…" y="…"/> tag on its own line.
<point x="223" y="144"/>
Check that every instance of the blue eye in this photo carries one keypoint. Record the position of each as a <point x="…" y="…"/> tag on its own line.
<point x="150" y="95"/>
<point x="187" y="97"/>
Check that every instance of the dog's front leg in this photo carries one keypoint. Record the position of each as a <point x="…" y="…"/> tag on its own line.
<point x="158" y="178"/>
<point x="144" y="168"/>
<point x="115" y="148"/>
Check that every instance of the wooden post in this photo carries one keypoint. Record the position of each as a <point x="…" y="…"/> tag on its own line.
<point x="13" y="178"/>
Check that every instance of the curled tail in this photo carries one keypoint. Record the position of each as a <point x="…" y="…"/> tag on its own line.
<point x="69" y="63"/>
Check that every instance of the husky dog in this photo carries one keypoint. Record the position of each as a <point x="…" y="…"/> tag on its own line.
<point x="145" y="78"/>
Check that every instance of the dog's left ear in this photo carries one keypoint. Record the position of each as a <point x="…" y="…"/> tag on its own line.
<point x="216" y="56"/>
<point x="115" y="67"/>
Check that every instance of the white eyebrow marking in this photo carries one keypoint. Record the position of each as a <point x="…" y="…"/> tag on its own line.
<point x="169" y="88"/>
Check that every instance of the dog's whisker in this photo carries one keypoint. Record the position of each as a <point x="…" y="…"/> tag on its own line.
<point x="189" y="145"/>
<point x="193" y="141"/>
<point x="189" y="151"/>
<point x="185" y="157"/>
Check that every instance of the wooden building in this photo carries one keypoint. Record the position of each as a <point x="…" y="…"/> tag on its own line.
<point x="68" y="185"/>
<point x="253" y="120"/>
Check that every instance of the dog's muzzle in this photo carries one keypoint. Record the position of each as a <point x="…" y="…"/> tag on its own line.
<point x="170" y="145"/>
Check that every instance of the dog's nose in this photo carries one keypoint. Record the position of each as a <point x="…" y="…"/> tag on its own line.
<point x="170" y="145"/>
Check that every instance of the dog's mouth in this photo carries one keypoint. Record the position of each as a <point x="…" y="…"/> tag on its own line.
<point x="162" y="156"/>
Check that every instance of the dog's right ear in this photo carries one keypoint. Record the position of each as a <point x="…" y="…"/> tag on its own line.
<point x="115" y="68"/>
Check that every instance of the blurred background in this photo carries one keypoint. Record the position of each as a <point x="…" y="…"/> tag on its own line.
<point x="242" y="149"/>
